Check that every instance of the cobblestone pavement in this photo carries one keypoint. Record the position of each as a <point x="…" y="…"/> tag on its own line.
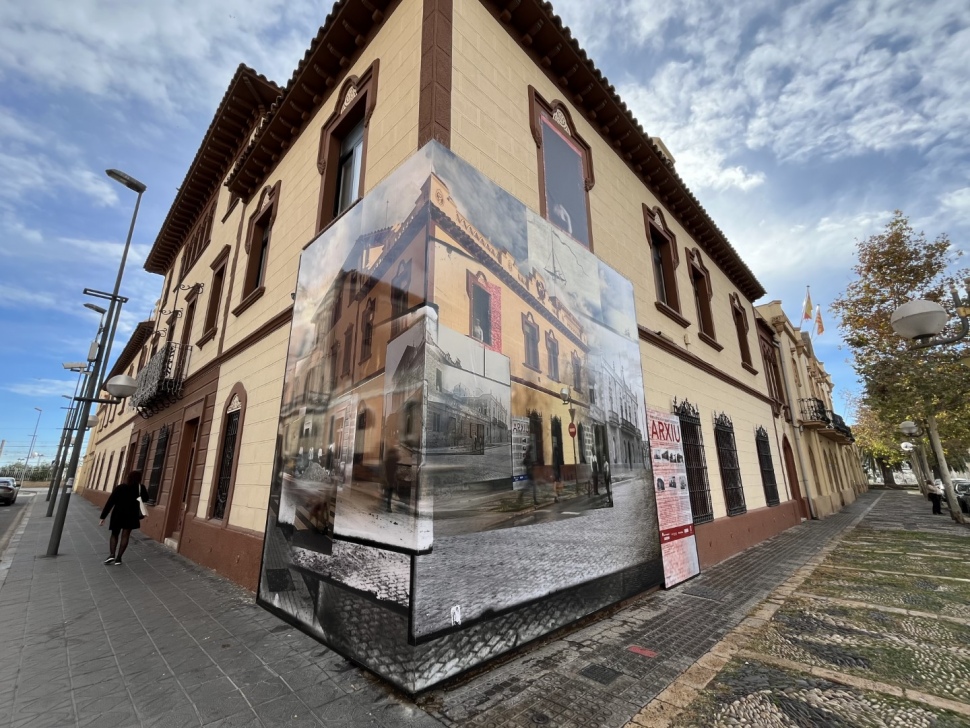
<point x="874" y="632"/>
<point x="163" y="642"/>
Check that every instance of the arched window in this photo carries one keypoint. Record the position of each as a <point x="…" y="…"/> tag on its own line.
<point x="228" y="459"/>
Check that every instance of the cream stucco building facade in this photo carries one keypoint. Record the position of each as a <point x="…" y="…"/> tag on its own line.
<point x="500" y="85"/>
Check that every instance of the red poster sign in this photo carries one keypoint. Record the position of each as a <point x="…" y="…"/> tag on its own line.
<point x="677" y="542"/>
<point x="572" y="429"/>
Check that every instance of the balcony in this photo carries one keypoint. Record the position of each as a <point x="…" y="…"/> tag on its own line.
<point x="839" y="431"/>
<point x="813" y="413"/>
<point x="159" y="384"/>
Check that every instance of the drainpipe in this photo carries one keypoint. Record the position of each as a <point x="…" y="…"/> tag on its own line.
<point x="795" y="429"/>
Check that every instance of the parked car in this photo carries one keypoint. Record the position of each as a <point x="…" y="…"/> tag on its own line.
<point x="8" y="490"/>
<point x="961" y="489"/>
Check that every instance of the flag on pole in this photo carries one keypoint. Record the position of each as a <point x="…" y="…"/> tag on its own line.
<point x="819" y="327"/>
<point x="807" y="306"/>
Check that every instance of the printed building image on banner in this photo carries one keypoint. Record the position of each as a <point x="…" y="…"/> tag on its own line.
<point x="677" y="540"/>
<point x="462" y="432"/>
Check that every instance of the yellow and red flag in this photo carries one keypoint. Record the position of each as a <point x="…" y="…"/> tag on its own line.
<point x="807" y="305"/>
<point x="819" y="326"/>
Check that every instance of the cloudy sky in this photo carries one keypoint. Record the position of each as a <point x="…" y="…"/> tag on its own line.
<point x="799" y="125"/>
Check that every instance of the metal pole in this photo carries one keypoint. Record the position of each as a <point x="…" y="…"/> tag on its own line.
<point x="93" y="386"/>
<point x="74" y="425"/>
<point x="61" y="457"/>
<point x="944" y="469"/>
<point x="33" y="439"/>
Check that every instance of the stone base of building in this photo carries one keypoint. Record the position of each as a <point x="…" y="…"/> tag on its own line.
<point x="826" y="505"/>
<point x="725" y="537"/>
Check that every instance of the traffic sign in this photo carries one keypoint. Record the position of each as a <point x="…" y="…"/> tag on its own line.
<point x="572" y="429"/>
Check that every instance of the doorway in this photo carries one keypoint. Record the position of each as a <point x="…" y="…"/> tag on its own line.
<point x="181" y="485"/>
<point x="792" y="472"/>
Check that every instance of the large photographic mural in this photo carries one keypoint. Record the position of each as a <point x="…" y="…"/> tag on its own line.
<point x="462" y="462"/>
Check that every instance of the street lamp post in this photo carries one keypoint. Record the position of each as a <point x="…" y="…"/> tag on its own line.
<point x="30" y="452"/>
<point x="922" y="323"/>
<point x="65" y="441"/>
<point x="100" y="366"/>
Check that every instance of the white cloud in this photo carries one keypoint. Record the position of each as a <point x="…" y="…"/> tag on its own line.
<point x="168" y="54"/>
<point x="42" y="387"/>
<point x="799" y="80"/>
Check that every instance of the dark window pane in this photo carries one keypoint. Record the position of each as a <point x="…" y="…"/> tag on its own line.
<point x="565" y="183"/>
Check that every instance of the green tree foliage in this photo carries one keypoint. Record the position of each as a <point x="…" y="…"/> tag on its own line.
<point x="893" y="267"/>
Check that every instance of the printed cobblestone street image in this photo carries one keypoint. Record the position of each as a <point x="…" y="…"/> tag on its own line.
<point x="875" y="634"/>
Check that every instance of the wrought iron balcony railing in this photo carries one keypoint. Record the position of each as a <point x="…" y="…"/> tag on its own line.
<point x="813" y="410"/>
<point x="839" y="425"/>
<point x="159" y="384"/>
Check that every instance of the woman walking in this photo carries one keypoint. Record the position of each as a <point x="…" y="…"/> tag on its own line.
<point x="125" y="514"/>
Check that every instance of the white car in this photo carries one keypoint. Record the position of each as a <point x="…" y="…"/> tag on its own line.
<point x="8" y="491"/>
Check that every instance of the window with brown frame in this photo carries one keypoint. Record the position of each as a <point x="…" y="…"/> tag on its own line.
<point x="552" y="356"/>
<point x="664" y="257"/>
<point x="530" y="333"/>
<point x="215" y="296"/>
<point x="367" y="330"/>
<point x="700" y="280"/>
<point x="197" y="240"/>
<point x="577" y="373"/>
<point x="741" y="325"/>
<point x="232" y="422"/>
<point x="565" y="168"/>
<point x="480" y="324"/>
<point x="342" y="156"/>
<point x="400" y="286"/>
<point x="348" y="350"/>
<point x="258" y="241"/>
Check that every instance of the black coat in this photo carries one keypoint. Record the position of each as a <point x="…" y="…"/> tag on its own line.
<point x="123" y="506"/>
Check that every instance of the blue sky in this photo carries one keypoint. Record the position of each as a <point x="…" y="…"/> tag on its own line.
<point x="800" y="126"/>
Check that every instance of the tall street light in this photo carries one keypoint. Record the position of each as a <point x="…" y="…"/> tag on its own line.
<point x="60" y="460"/>
<point x="922" y="322"/>
<point x="94" y="384"/>
<point x="30" y="452"/>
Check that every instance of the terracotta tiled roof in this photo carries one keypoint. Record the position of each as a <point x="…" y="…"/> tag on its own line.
<point x="248" y="96"/>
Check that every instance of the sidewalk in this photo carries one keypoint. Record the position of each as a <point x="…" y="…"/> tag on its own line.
<point x="163" y="642"/>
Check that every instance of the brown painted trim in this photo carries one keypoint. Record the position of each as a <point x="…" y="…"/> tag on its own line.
<point x="263" y="218"/>
<point x="231" y="280"/>
<point x="221" y="258"/>
<point x="237" y="390"/>
<point x="654" y="221"/>
<point x="748" y="367"/>
<point x="662" y="342"/>
<point x="742" y="326"/>
<point x="695" y="262"/>
<point x="249" y="300"/>
<point x="206" y="337"/>
<point x="539" y="107"/>
<point x="668" y="311"/>
<point x="233" y="201"/>
<point x="434" y="99"/>
<point x="711" y="342"/>
<point x="356" y="102"/>
<point x="347" y="31"/>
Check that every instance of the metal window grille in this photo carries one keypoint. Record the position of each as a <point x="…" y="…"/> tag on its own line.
<point x="696" y="462"/>
<point x="225" y="467"/>
<point x="143" y="453"/>
<point x="767" y="468"/>
<point x="158" y="465"/>
<point x="727" y="458"/>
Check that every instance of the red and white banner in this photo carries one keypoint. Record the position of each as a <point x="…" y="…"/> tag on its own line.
<point x="677" y="543"/>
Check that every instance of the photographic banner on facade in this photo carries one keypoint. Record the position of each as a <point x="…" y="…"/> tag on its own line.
<point x="677" y="542"/>
<point x="462" y="430"/>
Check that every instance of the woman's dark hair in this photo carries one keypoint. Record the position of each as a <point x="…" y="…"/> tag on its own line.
<point x="134" y="477"/>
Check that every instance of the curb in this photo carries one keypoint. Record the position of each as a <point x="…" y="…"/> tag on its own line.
<point x="671" y="702"/>
<point x="8" y="546"/>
